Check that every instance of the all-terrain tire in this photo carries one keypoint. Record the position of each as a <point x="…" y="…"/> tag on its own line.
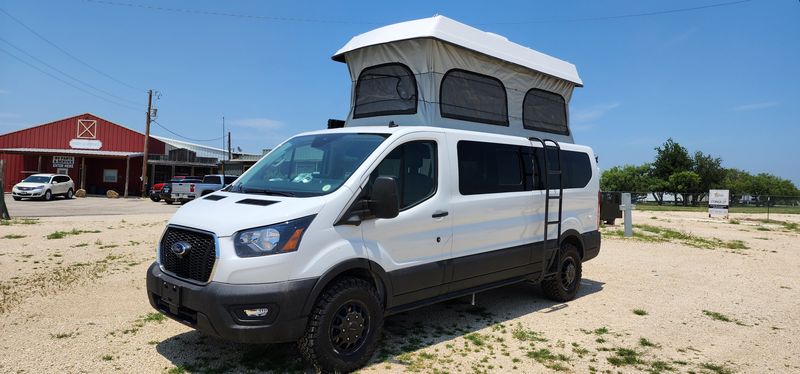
<point x="565" y="284"/>
<point x="348" y="309"/>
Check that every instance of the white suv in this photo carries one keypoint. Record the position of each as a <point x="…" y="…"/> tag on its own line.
<point x="334" y="230"/>
<point x="44" y="186"/>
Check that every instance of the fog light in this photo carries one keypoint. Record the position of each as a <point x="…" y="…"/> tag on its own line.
<point x="256" y="313"/>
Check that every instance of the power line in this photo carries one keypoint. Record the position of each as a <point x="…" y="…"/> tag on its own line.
<point x="54" y="45"/>
<point x="67" y="75"/>
<point x="68" y="83"/>
<point x="620" y="16"/>
<point x="226" y="14"/>
<point x="185" y="137"/>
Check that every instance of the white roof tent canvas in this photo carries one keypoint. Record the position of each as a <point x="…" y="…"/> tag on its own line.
<point x="440" y="72"/>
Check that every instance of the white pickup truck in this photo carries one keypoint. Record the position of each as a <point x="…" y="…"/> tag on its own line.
<point x="188" y="191"/>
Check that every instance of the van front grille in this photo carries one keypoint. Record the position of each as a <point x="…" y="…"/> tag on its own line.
<point x="197" y="262"/>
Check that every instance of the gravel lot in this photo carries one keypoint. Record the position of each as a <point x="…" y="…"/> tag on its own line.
<point x="717" y="297"/>
<point x="89" y="206"/>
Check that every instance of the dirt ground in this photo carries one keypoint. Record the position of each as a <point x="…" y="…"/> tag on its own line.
<point x="683" y="302"/>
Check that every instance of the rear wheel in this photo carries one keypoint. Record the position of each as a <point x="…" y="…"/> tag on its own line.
<point x="155" y="198"/>
<point x="168" y="201"/>
<point x="48" y="195"/>
<point x="344" y="327"/>
<point x="565" y="283"/>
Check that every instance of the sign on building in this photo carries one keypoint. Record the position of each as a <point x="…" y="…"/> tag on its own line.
<point x="63" y="162"/>
<point x="718" y="203"/>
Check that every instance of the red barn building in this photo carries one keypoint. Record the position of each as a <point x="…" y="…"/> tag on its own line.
<point x="97" y="154"/>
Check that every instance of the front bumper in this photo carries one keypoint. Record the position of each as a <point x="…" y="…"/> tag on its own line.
<point x="29" y="193"/>
<point x="215" y="308"/>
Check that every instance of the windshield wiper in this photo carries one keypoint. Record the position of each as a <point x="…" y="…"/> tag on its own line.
<point x="266" y="192"/>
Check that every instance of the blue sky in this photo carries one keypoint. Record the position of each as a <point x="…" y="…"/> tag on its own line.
<point x="723" y="80"/>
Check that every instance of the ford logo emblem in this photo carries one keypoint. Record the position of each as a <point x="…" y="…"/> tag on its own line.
<point x="180" y="248"/>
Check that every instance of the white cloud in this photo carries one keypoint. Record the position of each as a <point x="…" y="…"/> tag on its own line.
<point x="593" y="112"/>
<point x="258" y="123"/>
<point x="756" y="106"/>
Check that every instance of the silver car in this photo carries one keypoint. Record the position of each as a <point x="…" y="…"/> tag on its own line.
<point x="44" y="186"/>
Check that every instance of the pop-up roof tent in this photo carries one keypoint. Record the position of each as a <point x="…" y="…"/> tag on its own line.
<point x="439" y="72"/>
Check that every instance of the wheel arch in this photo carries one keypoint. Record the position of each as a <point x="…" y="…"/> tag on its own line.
<point x="361" y="268"/>
<point x="573" y="237"/>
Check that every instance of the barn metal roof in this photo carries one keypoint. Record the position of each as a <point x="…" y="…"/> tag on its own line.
<point x="79" y="152"/>
<point x="203" y="150"/>
<point x="454" y="32"/>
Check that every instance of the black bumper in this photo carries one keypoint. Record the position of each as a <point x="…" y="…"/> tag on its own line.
<point x="216" y="308"/>
<point x="591" y="245"/>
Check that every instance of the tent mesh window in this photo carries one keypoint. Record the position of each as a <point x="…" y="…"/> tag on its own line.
<point x="545" y="111"/>
<point x="384" y="90"/>
<point x="473" y="97"/>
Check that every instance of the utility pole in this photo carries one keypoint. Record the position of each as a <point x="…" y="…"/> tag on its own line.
<point x="146" y="141"/>
<point x="222" y="159"/>
<point x="230" y="157"/>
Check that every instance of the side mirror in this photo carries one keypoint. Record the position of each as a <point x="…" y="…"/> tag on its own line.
<point x="385" y="202"/>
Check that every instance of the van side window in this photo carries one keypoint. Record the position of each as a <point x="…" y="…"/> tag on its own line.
<point x="229" y="179"/>
<point x="385" y="89"/>
<point x="492" y="168"/>
<point x="413" y="165"/>
<point x="545" y="111"/>
<point x="473" y="97"/>
<point x="576" y="166"/>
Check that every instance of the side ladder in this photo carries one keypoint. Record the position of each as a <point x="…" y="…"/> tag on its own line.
<point x="552" y="252"/>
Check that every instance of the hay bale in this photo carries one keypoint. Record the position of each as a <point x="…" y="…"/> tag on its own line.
<point x="80" y="193"/>
<point x="111" y="194"/>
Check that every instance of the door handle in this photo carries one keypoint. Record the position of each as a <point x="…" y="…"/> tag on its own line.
<point x="439" y="214"/>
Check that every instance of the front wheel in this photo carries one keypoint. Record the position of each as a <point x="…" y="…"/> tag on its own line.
<point x="168" y="201"/>
<point x="17" y="198"/>
<point x="344" y="328"/>
<point x="69" y="194"/>
<point x="48" y="195"/>
<point x="565" y="283"/>
<point x="154" y="198"/>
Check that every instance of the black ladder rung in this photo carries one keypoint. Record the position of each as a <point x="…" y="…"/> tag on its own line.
<point x="554" y="197"/>
<point x="553" y="222"/>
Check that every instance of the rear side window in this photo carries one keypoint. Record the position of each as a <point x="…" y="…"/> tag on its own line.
<point x="384" y="90"/>
<point x="211" y="179"/>
<point x="545" y="111"/>
<point x="577" y="169"/>
<point x="473" y="97"/>
<point x="493" y="168"/>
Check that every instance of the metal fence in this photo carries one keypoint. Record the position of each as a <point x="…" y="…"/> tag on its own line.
<point x="738" y="203"/>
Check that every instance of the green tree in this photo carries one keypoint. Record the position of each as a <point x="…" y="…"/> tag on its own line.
<point x="685" y="183"/>
<point x="671" y="158"/>
<point x="628" y="178"/>
<point x="711" y="174"/>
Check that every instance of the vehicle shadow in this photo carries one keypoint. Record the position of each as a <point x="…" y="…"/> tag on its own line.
<point x="405" y="332"/>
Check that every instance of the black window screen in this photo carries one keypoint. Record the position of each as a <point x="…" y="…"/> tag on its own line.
<point x="473" y="97"/>
<point x="545" y="111"/>
<point x="385" y="89"/>
<point x="492" y="168"/>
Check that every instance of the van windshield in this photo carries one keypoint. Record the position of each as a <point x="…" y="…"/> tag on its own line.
<point x="311" y="165"/>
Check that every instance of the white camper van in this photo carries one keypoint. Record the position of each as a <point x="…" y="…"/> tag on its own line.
<point x="439" y="184"/>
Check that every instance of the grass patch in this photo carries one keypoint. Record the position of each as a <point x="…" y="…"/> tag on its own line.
<point x="524" y="335"/>
<point x="734" y="221"/>
<point x="640" y="312"/>
<point x="718" y="369"/>
<point x="660" y="367"/>
<point x="23" y="221"/>
<point x="62" y="335"/>
<point x="644" y="342"/>
<point x="14" y="236"/>
<point x="658" y="234"/>
<point x="64" y="234"/>
<point x="154" y="317"/>
<point x="476" y="339"/>
<point x="624" y="357"/>
<point x="548" y="359"/>
<point x="717" y="316"/>
<point x="80" y="245"/>
<point x="107" y="357"/>
<point x="762" y="228"/>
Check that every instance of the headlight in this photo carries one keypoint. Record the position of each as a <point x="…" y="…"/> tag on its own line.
<point x="38" y="187"/>
<point x="273" y="239"/>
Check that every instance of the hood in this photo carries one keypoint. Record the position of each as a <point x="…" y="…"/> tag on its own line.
<point x="30" y="184"/>
<point x="225" y="213"/>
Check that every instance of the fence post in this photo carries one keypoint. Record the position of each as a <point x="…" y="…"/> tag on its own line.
<point x="3" y="208"/>
<point x="768" y="201"/>
<point x="627" y="208"/>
